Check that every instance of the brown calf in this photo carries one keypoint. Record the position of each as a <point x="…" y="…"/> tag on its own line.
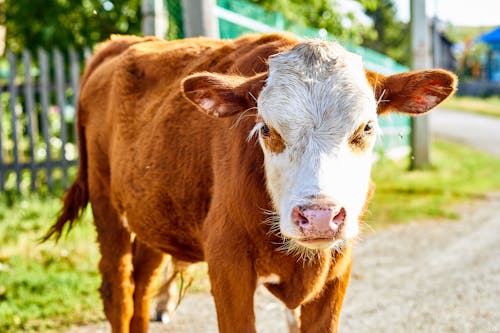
<point x="253" y="155"/>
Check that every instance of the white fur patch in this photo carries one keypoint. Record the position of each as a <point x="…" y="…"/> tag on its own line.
<point x="207" y="103"/>
<point x="271" y="278"/>
<point x="293" y="319"/>
<point x="124" y="219"/>
<point x="316" y="96"/>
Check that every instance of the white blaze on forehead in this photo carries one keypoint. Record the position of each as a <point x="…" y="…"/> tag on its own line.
<point x="316" y="85"/>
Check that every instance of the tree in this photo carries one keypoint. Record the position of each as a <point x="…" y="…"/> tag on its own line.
<point x="386" y="35"/>
<point x="320" y="14"/>
<point x="60" y="23"/>
<point x="391" y="36"/>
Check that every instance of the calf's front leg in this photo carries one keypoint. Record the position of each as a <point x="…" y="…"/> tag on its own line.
<point x="233" y="282"/>
<point x="322" y="313"/>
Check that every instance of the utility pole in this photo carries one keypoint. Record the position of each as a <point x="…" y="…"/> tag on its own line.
<point x="199" y="18"/>
<point x="154" y="18"/>
<point x="421" y="59"/>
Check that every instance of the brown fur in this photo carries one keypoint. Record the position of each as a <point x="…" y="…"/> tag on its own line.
<point x="274" y="142"/>
<point x="412" y="92"/>
<point x="187" y="184"/>
<point x="360" y="141"/>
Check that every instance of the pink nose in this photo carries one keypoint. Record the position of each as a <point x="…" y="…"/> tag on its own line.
<point x="319" y="218"/>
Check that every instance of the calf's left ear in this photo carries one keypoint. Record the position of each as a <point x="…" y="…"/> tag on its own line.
<point x="221" y="95"/>
<point x="412" y="92"/>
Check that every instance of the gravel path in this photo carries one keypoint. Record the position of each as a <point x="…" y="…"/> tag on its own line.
<point x="426" y="277"/>
<point x="429" y="277"/>
<point x="481" y="132"/>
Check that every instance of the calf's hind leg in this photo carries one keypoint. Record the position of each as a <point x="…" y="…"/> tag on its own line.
<point x="114" y="239"/>
<point x="168" y="296"/>
<point x="148" y="262"/>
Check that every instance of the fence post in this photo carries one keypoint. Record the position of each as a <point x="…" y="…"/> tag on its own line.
<point x="61" y="102"/>
<point x="28" y="98"/>
<point x="199" y="18"/>
<point x="75" y="86"/>
<point x="154" y="18"/>
<point x="44" y="89"/>
<point x="12" y="105"/>
<point x="29" y="101"/>
<point x="420" y="139"/>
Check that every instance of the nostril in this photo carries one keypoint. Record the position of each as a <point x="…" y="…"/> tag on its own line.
<point x="303" y="222"/>
<point x="299" y="218"/>
<point x="340" y="217"/>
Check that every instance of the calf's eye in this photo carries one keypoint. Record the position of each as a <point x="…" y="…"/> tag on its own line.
<point x="369" y="127"/>
<point x="264" y="130"/>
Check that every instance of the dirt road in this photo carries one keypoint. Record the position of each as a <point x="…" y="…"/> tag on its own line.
<point x="477" y="131"/>
<point x="426" y="277"/>
<point x="429" y="277"/>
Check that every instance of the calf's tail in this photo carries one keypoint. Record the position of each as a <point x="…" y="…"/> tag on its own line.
<point x="76" y="196"/>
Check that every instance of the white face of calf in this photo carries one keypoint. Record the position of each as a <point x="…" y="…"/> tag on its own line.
<point x="317" y="124"/>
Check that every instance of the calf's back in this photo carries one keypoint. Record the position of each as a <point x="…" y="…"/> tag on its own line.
<point x="165" y="162"/>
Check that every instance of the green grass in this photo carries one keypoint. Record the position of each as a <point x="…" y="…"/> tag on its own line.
<point x="458" y="174"/>
<point x="487" y="106"/>
<point x="47" y="287"/>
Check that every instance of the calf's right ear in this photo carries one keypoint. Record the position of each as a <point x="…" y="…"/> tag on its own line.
<point x="412" y="92"/>
<point x="221" y="95"/>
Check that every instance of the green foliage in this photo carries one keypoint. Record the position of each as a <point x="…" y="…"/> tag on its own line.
<point x="391" y="37"/>
<point x="319" y="14"/>
<point x="59" y="23"/>
<point x="175" y="24"/>
<point x="314" y="13"/>
<point x="386" y="35"/>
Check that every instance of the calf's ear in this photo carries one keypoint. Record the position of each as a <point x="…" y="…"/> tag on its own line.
<point x="412" y="92"/>
<point x="221" y="95"/>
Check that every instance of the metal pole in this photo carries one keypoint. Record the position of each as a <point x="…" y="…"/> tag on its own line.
<point x="437" y="57"/>
<point x="154" y="18"/>
<point x="199" y="18"/>
<point x="421" y="59"/>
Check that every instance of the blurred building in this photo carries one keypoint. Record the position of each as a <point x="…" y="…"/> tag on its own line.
<point x="492" y="39"/>
<point x="442" y="48"/>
